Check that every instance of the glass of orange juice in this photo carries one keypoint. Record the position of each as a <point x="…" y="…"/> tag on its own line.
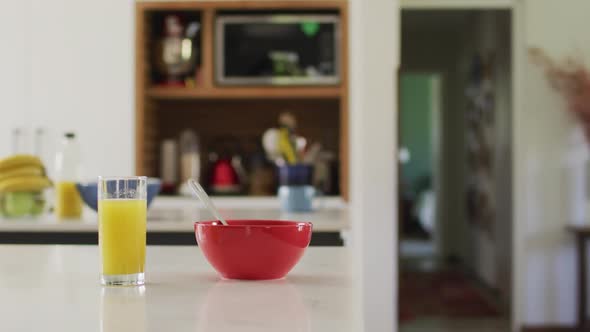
<point x="122" y="210"/>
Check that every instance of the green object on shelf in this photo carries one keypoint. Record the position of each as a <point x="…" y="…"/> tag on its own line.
<point x="21" y="204"/>
<point x="310" y="29"/>
<point x="38" y="205"/>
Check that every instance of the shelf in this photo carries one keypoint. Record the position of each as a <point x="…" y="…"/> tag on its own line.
<point x="252" y="108"/>
<point x="455" y="4"/>
<point x="238" y="4"/>
<point x="316" y="92"/>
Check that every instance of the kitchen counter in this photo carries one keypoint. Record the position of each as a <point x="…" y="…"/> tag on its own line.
<point x="55" y="288"/>
<point x="170" y="221"/>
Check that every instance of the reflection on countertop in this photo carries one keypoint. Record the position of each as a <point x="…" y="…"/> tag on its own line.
<point x="122" y="309"/>
<point x="229" y="306"/>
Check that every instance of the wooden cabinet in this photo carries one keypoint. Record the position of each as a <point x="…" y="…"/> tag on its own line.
<point x="243" y="111"/>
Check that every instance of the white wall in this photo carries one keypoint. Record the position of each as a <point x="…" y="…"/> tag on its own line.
<point x="77" y="71"/>
<point x="546" y="271"/>
<point x="374" y="55"/>
<point x="14" y="68"/>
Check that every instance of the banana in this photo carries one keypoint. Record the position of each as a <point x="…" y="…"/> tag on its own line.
<point x="31" y="171"/>
<point x="24" y="183"/>
<point x="19" y="160"/>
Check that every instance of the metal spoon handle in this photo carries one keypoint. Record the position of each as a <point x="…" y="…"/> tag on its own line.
<point x="202" y="195"/>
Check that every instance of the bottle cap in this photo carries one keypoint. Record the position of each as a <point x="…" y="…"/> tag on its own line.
<point x="70" y="135"/>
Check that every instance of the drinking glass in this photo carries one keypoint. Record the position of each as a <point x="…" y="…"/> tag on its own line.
<point x="122" y="210"/>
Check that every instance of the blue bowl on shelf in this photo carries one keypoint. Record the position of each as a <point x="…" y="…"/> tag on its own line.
<point x="89" y="192"/>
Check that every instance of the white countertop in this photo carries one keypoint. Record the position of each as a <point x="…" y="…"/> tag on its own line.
<point x="55" y="288"/>
<point x="172" y="214"/>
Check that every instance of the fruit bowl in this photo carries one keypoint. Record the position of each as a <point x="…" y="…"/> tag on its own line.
<point x="89" y="192"/>
<point x="253" y="249"/>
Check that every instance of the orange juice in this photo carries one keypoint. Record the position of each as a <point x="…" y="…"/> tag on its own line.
<point x="122" y="235"/>
<point x="68" y="203"/>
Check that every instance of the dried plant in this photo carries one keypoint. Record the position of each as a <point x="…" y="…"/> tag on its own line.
<point x="571" y="79"/>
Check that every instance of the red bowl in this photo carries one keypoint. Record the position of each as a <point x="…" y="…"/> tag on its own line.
<point x="253" y="249"/>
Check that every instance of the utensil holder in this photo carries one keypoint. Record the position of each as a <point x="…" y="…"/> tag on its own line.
<point x="295" y="175"/>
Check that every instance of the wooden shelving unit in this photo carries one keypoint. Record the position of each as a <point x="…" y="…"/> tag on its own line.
<point x="245" y="93"/>
<point x="155" y="104"/>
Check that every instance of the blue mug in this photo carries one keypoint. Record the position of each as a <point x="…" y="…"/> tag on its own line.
<point x="296" y="198"/>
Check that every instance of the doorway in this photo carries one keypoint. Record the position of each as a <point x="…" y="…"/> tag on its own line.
<point x="420" y="104"/>
<point x="456" y="228"/>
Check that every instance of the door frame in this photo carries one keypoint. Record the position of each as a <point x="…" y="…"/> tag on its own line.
<point x="374" y="62"/>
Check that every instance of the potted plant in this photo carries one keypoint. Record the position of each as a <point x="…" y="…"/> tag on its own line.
<point x="571" y="79"/>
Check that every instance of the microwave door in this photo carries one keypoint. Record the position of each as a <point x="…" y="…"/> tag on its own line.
<point x="278" y="49"/>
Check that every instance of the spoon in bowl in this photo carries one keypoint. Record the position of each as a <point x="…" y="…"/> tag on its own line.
<point x="202" y="195"/>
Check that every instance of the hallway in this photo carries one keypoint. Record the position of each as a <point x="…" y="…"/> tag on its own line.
<point x="445" y="298"/>
<point x="457" y="325"/>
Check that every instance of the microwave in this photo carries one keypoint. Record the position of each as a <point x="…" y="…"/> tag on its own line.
<point x="277" y="49"/>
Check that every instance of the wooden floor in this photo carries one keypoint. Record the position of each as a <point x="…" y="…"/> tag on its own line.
<point x="416" y="255"/>
<point x="456" y="325"/>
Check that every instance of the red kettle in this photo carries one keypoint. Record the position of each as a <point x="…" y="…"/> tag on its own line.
<point x="224" y="177"/>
